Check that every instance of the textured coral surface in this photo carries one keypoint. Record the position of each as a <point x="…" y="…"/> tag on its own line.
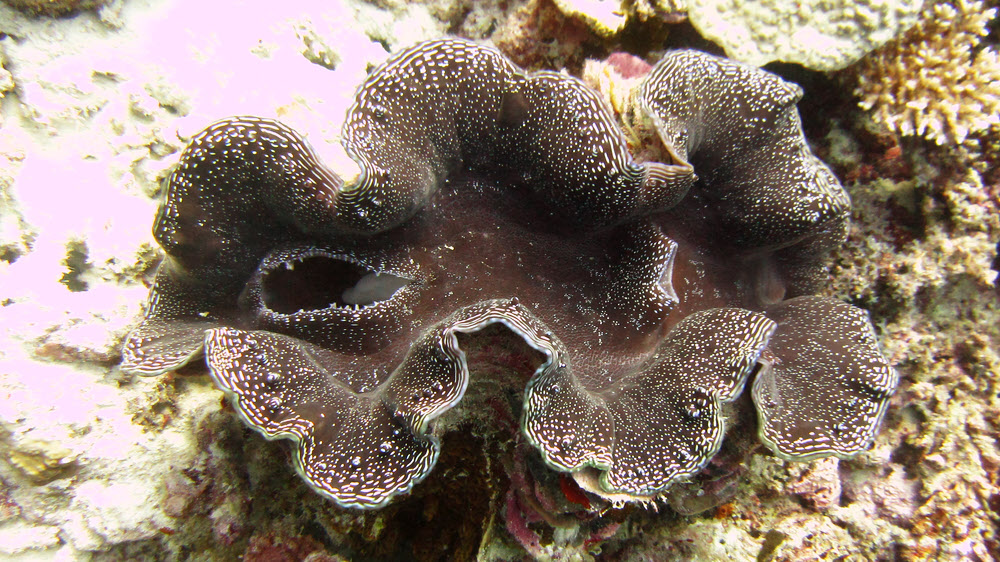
<point x="819" y="34"/>
<point x="94" y="465"/>
<point x="957" y="90"/>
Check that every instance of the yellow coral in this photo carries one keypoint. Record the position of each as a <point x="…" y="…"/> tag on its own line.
<point x="935" y="80"/>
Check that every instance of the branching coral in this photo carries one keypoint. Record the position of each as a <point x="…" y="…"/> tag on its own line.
<point x="936" y="81"/>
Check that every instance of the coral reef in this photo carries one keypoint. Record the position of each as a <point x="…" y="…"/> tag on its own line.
<point x="820" y="484"/>
<point x="537" y="35"/>
<point x="926" y="223"/>
<point x="956" y="91"/>
<point x="96" y="109"/>
<point x="818" y="34"/>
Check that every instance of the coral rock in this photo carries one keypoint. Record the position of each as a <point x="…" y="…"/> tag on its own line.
<point x="818" y="34"/>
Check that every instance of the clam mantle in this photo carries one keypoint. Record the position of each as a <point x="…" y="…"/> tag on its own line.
<point x="330" y="311"/>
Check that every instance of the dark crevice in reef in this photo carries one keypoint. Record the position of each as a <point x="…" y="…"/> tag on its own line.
<point x="882" y="303"/>
<point x="772" y="540"/>
<point x="685" y="36"/>
<point x="9" y="254"/>
<point x="824" y="101"/>
<point x="638" y="36"/>
<point x="458" y="17"/>
<point x="447" y="516"/>
<point x="996" y="267"/>
<point x="909" y="457"/>
<point x="993" y="35"/>
<point x="76" y="264"/>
